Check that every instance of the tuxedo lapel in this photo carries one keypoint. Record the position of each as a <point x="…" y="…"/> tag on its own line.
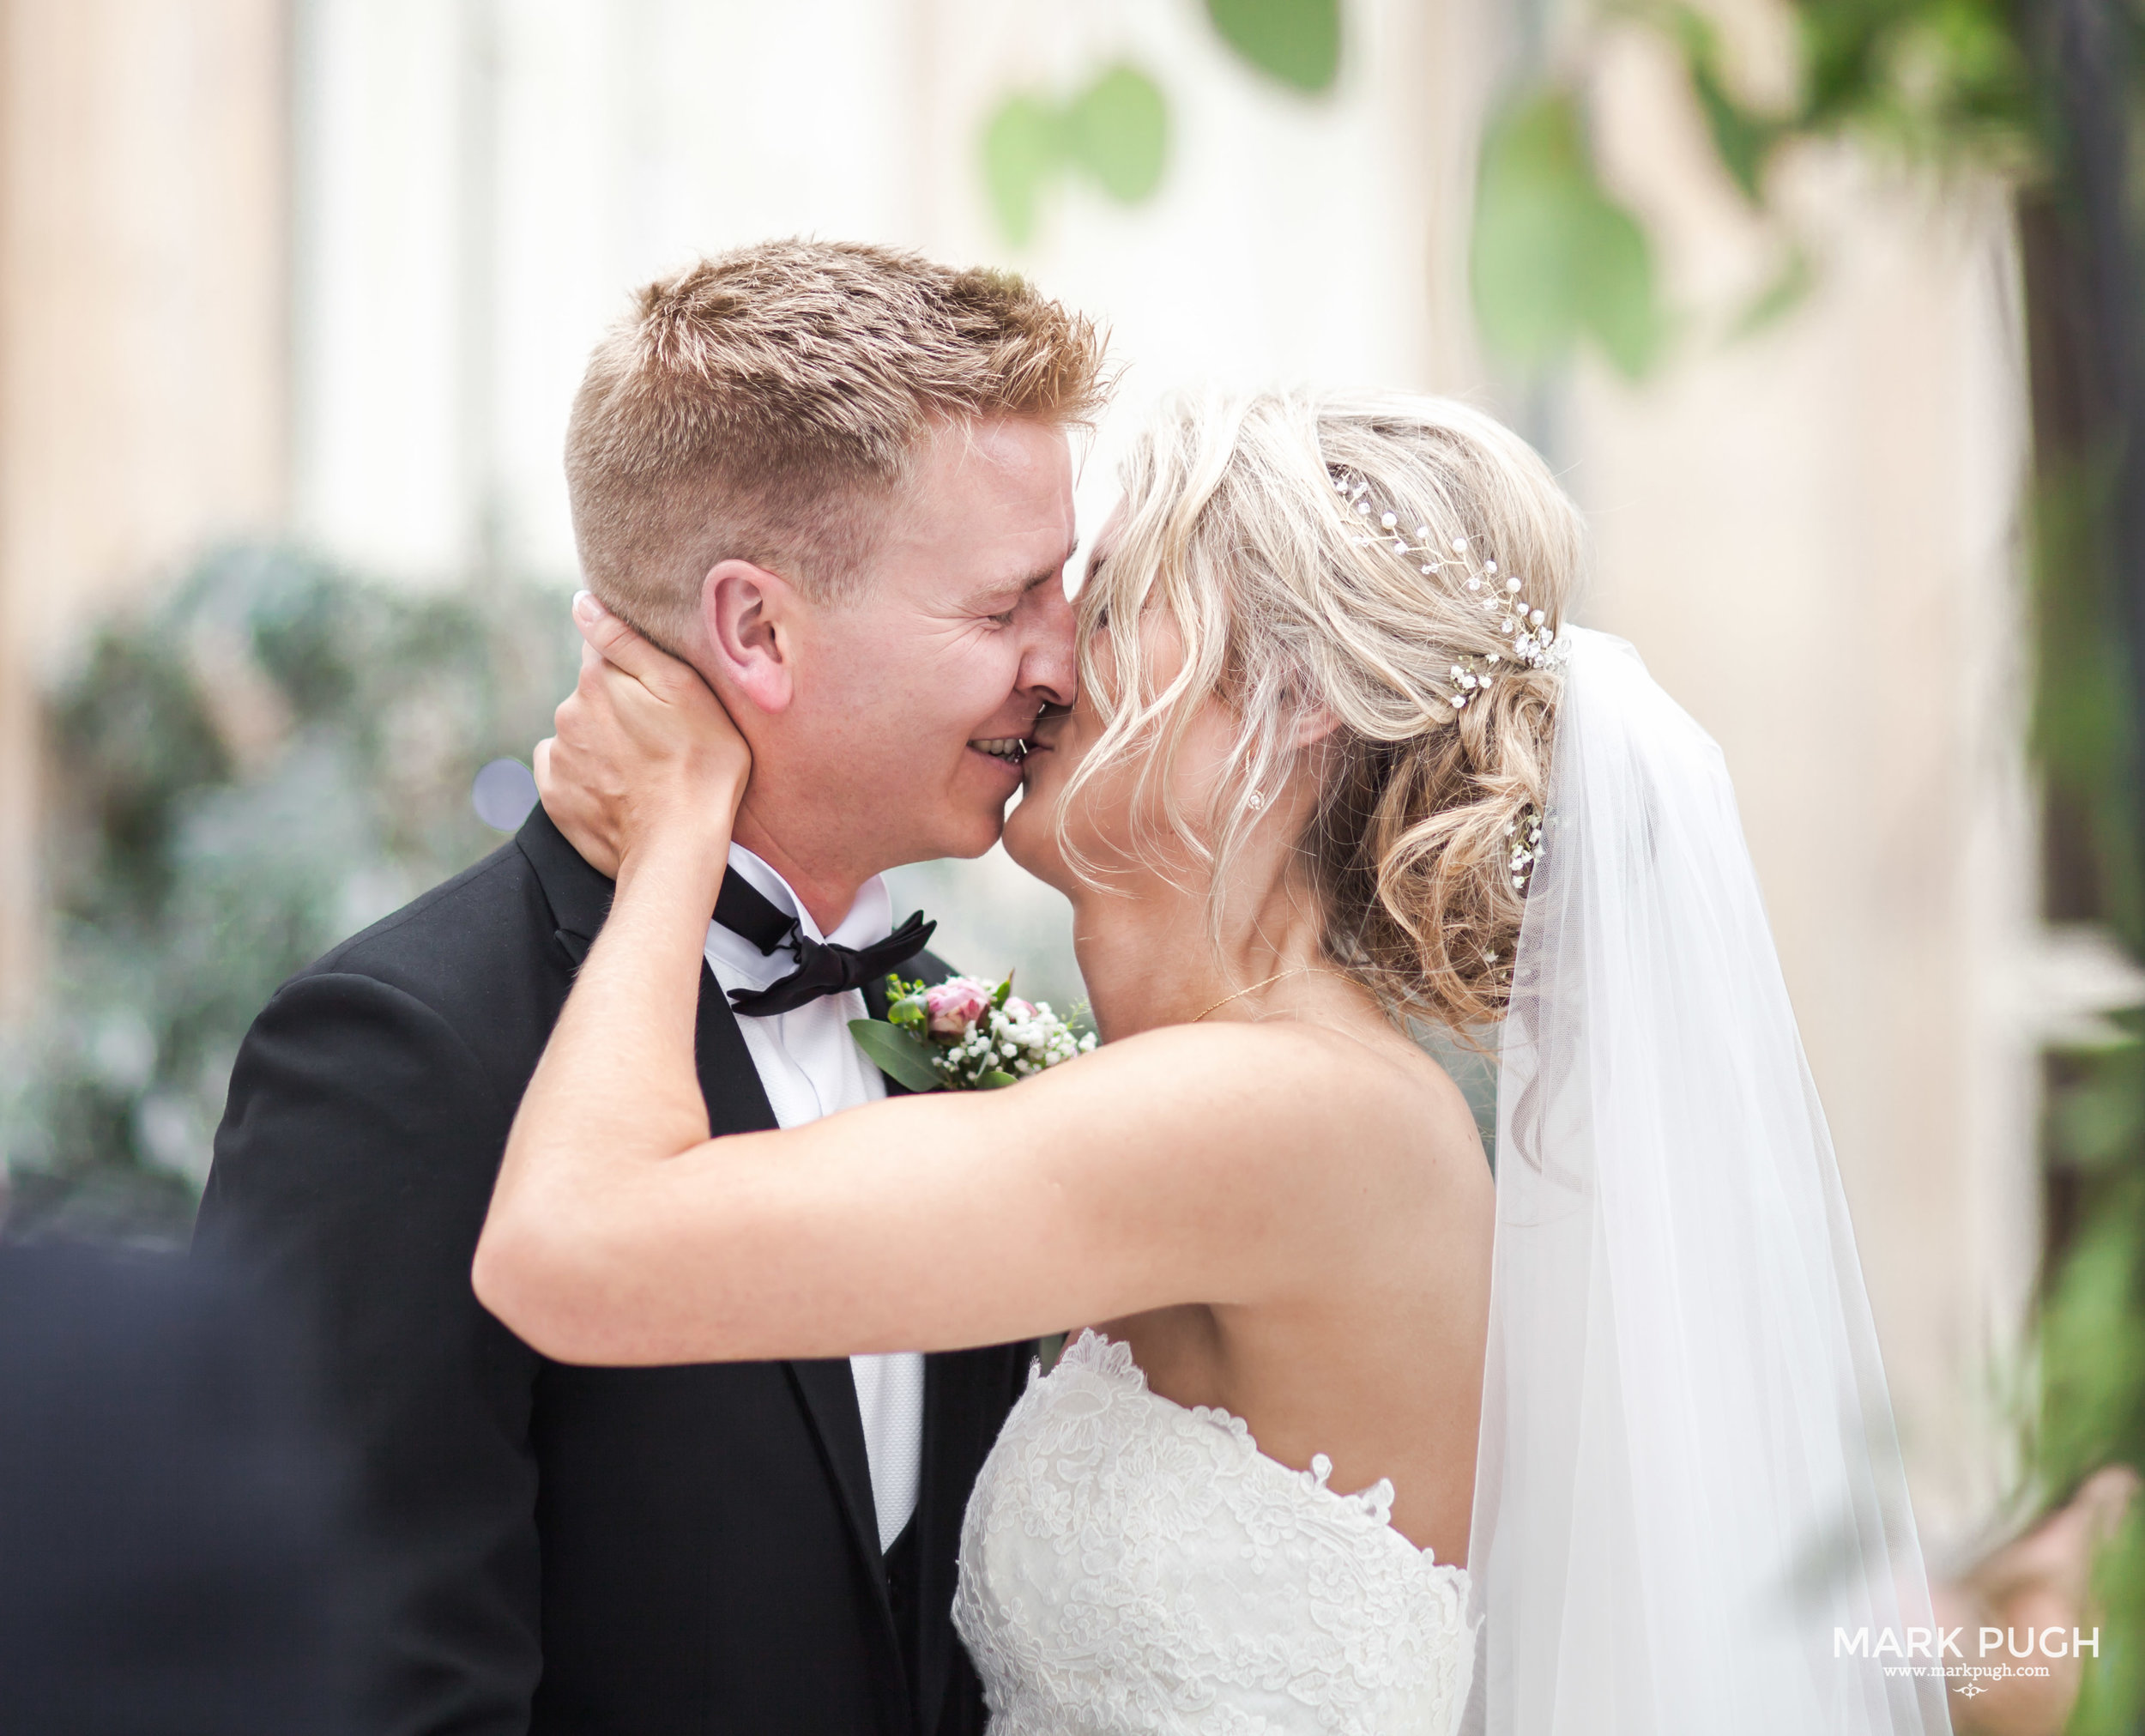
<point x="960" y="1422"/>
<point x="737" y="1103"/>
<point x="579" y="896"/>
<point x="959" y="1427"/>
<point x="828" y="1390"/>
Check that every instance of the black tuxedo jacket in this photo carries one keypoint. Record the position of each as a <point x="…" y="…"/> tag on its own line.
<point x="617" y="1551"/>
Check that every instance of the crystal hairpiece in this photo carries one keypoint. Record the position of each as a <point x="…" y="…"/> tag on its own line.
<point x="1534" y="642"/>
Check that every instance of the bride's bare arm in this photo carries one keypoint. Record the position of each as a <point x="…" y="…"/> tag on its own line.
<point x="1144" y="1175"/>
<point x="1193" y="1164"/>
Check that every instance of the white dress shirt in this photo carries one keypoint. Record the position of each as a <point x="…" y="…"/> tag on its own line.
<point x="811" y="1067"/>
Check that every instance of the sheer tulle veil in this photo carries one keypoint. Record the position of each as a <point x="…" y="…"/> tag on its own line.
<point x="1689" y="1500"/>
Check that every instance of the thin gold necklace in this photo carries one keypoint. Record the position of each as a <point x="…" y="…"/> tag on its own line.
<point x="1298" y="971"/>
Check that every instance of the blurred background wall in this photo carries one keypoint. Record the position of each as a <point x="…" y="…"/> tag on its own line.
<point x="327" y="271"/>
<point x="144" y="340"/>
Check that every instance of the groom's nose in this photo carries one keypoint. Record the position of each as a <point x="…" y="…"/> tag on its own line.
<point x="1049" y="666"/>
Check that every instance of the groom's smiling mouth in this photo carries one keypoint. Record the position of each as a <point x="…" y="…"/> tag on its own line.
<point x="1009" y="749"/>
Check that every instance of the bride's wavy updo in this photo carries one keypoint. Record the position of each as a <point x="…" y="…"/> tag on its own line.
<point x="1233" y="525"/>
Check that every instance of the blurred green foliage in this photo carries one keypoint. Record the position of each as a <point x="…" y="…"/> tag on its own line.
<point x="2082" y="724"/>
<point x="2091" y="1409"/>
<point x="1114" y="131"/>
<point x="2092" y="1398"/>
<point x="1555" y="259"/>
<point x="1296" y="41"/>
<point x="272" y="758"/>
<point x="1937" y="81"/>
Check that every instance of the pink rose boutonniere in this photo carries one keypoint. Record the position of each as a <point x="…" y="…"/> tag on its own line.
<point x="963" y="1034"/>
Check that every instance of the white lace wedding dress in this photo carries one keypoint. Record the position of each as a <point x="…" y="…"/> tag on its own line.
<point x="1129" y="1566"/>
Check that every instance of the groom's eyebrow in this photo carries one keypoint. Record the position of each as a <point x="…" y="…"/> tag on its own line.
<point x="1057" y="572"/>
<point x="1048" y="574"/>
<point x="1032" y="582"/>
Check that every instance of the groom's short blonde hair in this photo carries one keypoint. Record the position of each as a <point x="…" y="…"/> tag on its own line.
<point x="767" y="404"/>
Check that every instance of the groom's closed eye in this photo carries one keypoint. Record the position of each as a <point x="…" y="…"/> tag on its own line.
<point x="1002" y="606"/>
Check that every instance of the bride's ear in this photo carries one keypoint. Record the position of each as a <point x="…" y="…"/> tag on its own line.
<point x="750" y="615"/>
<point x="1310" y="725"/>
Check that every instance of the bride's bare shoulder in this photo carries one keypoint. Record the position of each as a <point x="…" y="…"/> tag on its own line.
<point x="1287" y="1082"/>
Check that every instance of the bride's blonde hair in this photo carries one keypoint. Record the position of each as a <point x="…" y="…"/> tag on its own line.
<point x="1239" y="523"/>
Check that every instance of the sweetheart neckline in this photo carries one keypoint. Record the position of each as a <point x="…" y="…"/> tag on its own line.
<point x="1114" y="1357"/>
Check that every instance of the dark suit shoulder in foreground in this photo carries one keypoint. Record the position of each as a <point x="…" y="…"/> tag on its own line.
<point x="368" y="1108"/>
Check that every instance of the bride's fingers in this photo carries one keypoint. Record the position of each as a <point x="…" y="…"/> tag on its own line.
<point x="613" y="653"/>
<point x="576" y="810"/>
<point x="611" y="649"/>
<point x="607" y="699"/>
<point x="638" y="717"/>
<point x="617" y="644"/>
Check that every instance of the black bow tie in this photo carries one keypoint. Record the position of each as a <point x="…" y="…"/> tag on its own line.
<point x="823" y="967"/>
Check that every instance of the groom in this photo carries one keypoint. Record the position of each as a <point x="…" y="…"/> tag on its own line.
<point x="835" y="480"/>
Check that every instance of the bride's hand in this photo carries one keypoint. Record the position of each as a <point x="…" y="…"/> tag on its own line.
<point x="644" y="754"/>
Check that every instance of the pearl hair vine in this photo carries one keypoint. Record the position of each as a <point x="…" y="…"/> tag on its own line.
<point x="1525" y="834"/>
<point x="1534" y="642"/>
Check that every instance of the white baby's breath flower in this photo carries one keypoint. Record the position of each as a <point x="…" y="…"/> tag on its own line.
<point x="979" y="1034"/>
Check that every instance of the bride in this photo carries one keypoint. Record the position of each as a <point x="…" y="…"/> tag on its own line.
<point x="1357" y="1439"/>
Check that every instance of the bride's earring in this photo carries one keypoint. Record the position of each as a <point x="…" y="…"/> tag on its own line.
<point x="1258" y="801"/>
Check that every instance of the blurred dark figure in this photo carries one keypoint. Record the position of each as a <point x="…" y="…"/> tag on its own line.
<point x="169" y="1562"/>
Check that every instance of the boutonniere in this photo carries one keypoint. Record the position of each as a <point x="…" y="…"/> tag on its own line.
<point x="964" y="1034"/>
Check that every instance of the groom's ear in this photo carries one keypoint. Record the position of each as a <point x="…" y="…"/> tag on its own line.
<point x="751" y="618"/>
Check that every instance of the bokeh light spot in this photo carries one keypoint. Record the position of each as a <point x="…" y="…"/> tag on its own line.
<point x="503" y="794"/>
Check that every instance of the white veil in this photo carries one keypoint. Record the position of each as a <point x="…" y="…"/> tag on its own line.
<point x="1689" y="1478"/>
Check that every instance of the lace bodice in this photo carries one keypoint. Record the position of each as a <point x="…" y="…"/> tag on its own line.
<point x="1129" y="1566"/>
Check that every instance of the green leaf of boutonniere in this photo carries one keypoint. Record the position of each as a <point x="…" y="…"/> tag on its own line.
<point x="994" y="1081"/>
<point x="998" y="994"/>
<point x="897" y="1054"/>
